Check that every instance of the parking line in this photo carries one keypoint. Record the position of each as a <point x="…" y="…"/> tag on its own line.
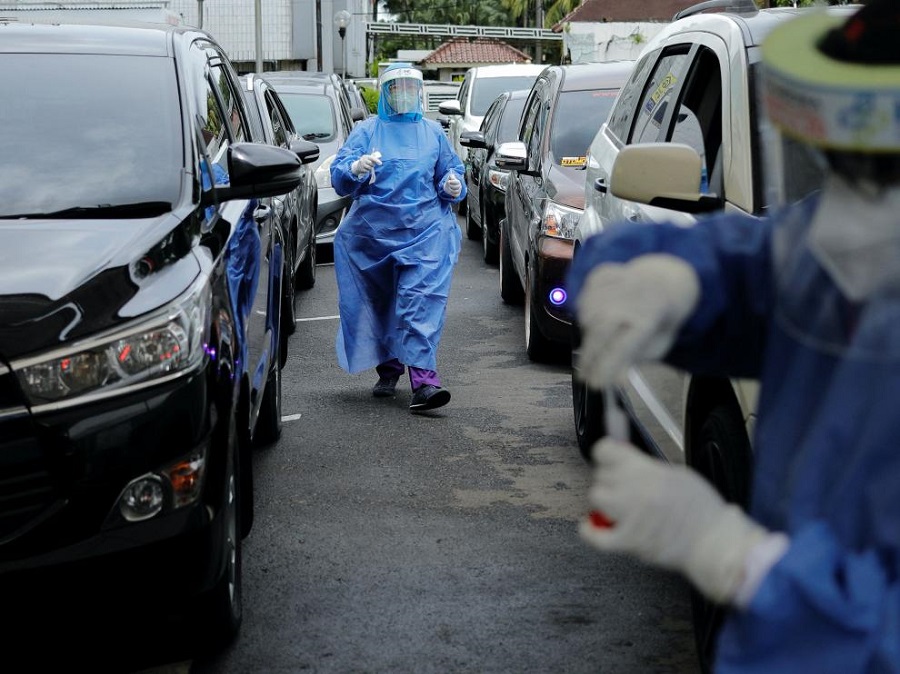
<point x="291" y="417"/>
<point x="316" y="318"/>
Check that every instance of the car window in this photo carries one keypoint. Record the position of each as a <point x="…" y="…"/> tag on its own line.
<point x="623" y="111"/>
<point x="576" y="118"/>
<point x="510" y="117"/>
<point x="486" y="89"/>
<point x="231" y="102"/>
<point x="311" y="114"/>
<point x="279" y="135"/>
<point x="530" y="120"/>
<point x="665" y="80"/>
<point x="67" y="137"/>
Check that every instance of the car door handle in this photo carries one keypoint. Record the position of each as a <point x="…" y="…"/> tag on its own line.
<point x="600" y="185"/>
<point x="262" y="213"/>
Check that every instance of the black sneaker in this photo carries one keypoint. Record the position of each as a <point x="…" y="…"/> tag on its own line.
<point x="385" y="387"/>
<point x="428" y="397"/>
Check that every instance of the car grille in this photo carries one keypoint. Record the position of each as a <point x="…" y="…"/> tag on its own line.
<point x="26" y="487"/>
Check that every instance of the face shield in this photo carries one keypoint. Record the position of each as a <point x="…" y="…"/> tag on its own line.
<point x="836" y="257"/>
<point x="401" y="91"/>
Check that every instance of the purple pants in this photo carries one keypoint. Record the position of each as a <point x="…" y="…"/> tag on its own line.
<point x="417" y="376"/>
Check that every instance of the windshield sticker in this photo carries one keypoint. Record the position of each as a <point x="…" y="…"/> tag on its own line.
<point x="573" y="161"/>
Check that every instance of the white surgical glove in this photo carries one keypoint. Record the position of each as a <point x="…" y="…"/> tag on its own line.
<point x="452" y="186"/>
<point x="669" y="516"/>
<point x="628" y="313"/>
<point x="365" y="164"/>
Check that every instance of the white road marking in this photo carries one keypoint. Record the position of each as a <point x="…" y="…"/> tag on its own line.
<point x="316" y="318"/>
<point x="291" y="417"/>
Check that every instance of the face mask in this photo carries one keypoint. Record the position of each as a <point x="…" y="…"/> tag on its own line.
<point x="855" y="236"/>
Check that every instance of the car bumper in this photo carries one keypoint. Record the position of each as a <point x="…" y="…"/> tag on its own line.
<point x="554" y="257"/>
<point x="329" y="214"/>
<point x="73" y="466"/>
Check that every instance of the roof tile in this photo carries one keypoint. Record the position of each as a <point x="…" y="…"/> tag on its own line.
<point x="481" y="50"/>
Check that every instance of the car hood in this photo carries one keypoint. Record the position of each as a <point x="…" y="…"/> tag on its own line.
<point x="62" y="280"/>
<point x="566" y="186"/>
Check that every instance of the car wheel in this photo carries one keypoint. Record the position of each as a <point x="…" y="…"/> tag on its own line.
<point x="510" y="287"/>
<point x="473" y="231"/>
<point x="722" y="454"/>
<point x="220" y="610"/>
<point x="289" y="298"/>
<point x="539" y="348"/>
<point x="490" y="252"/>
<point x="590" y="425"/>
<point x="268" y="423"/>
<point x="306" y="274"/>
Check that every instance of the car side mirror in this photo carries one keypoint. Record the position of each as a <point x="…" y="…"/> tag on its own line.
<point x="472" y="140"/>
<point x="666" y="175"/>
<point x="444" y="122"/>
<point x="512" y="156"/>
<point x="256" y="171"/>
<point x="450" y="107"/>
<point x="305" y="149"/>
<point x="357" y="114"/>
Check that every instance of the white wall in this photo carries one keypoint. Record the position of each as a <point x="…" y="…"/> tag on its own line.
<point x="613" y="41"/>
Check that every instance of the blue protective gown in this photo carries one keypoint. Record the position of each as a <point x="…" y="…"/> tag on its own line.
<point x="827" y="460"/>
<point x="395" y="249"/>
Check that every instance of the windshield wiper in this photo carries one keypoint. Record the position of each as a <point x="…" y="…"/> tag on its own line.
<point x="144" y="209"/>
<point x="310" y="136"/>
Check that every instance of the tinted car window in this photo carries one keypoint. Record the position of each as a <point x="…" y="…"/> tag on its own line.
<point x="80" y="135"/>
<point x="279" y="132"/>
<point x="666" y="80"/>
<point x="312" y="115"/>
<point x="571" y="135"/>
<point x="620" y="117"/>
<point x="486" y="89"/>
<point x="509" y="120"/>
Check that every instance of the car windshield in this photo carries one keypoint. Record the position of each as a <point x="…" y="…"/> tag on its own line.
<point x="509" y="120"/>
<point x="576" y="119"/>
<point x="89" y="135"/>
<point x="312" y="115"/>
<point x="486" y="89"/>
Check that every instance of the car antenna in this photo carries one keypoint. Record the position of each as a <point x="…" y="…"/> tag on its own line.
<point x="735" y="6"/>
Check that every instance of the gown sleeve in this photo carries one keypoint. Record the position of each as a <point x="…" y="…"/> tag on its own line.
<point x="343" y="179"/>
<point x="448" y="160"/>
<point x="730" y="253"/>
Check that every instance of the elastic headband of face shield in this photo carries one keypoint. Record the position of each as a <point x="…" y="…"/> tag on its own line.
<point x="833" y="82"/>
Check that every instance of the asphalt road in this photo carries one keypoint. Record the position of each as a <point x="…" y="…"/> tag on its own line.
<point x="391" y="542"/>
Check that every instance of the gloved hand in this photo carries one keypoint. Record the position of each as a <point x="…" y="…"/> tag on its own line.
<point x="365" y="164"/>
<point x="669" y="516"/>
<point x="452" y="186"/>
<point x="632" y="312"/>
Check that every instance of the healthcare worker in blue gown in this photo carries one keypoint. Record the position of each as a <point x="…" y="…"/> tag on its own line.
<point x="395" y="249"/>
<point x="806" y="299"/>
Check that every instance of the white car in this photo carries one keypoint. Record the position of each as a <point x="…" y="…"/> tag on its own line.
<point x="480" y="86"/>
<point x="688" y="115"/>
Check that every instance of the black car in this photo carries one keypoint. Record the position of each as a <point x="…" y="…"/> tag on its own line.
<point x="296" y="210"/>
<point x="140" y="296"/>
<point x="545" y="195"/>
<point x="486" y="182"/>
<point x="318" y="107"/>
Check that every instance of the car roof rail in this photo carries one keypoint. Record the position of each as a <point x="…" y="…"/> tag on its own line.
<point x="735" y="6"/>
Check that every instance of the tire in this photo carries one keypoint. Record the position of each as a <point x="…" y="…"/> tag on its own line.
<point x="539" y="348"/>
<point x="724" y="457"/>
<point x="306" y="274"/>
<point x="220" y="611"/>
<point x="510" y="287"/>
<point x="490" y="252"/>
<point x="590" y="425"/>
<point x="268" y="423"/>
<point x="288" y="299"/>
<point x="473" y="231"/>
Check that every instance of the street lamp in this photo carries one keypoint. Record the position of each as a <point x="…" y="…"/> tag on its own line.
<point x="342" y="20"/>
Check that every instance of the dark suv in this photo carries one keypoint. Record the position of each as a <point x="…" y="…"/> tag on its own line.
<point x="140" y="287"/>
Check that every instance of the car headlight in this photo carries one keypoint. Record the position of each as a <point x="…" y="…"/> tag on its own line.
<point x="560" y="221"/>
<point x="323" y="173"/>
<point x="169" y="342"/>
<point x="498" y="178"/>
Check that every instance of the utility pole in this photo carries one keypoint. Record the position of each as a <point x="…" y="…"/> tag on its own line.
<point x="538" y="24"/>
<point x="259" y="53"/>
